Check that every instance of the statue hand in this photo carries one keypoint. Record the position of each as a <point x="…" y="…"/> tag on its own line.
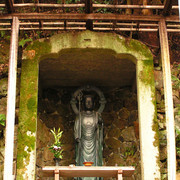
<point x="77" y="140"/>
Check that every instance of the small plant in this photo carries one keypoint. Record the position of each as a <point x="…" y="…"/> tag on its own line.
<point x="2" y="119"/>
<point x="130" y="151"/>
<point x="56" y="148"/>
<point x="23" y="41"/>
<point x="177" y="141"/>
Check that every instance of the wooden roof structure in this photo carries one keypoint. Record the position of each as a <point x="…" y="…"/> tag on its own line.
<point x="97" y="17"/>
<point x="89" y="15"/>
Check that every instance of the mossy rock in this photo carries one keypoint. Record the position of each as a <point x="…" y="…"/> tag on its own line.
<point x="114" y="132"/>
<point x="108" y="118"/>
<point x="120" y="123"/>
<point x="128" y="134"/>
<point x="4" y="52"/>
<point x="124" y="113"/>
<point x="112" y="143"/>
<point x="3" y="87"/>
<point x="3" y="104"/>
<point x="115" y="159"/>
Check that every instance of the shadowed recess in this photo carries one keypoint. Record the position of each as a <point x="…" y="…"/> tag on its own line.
<point x="76" y="67"/>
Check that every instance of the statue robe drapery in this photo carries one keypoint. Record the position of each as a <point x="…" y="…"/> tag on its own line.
<point x="88" y="132"/>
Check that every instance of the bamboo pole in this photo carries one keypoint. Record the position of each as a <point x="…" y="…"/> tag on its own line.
<point x="171" y="148"/>
<point x="10" y="115"/>
<point x="49" y="5"/>
<point x="94" y="5"/>
<point x="97" y="28"/>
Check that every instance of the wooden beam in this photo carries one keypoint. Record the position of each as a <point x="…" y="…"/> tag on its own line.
<point x="75" y="16"/>
<point x="63" y="5"/>
<point x="92" y="16"/>
<point x="171" y="148"/>
<point x="9" y="5"/>
<point x="113" y="6"/>
<point x="11" y="101"/>
<point x="167" y="7"/>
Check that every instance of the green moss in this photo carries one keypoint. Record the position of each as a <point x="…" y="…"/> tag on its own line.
<point x="155" y="127"/>
<point x="4" y="51"/>
<point x="28" y="111"/>
<point x="139" y="47"/>
<point x="32" y="104"/>
<point x="147" y="74"/>
<point x="40" y="47"/>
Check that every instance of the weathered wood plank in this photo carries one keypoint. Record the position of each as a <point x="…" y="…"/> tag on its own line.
<point x="92" y="16"/>
<point x="171" y="148"/>
<point x="10" y="116"/>
<point x="93" y="171"/>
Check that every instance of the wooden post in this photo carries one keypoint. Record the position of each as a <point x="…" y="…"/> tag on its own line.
<point x="167" y="7"/>
<point x="56" y="174"/>
<point x="171" y="148"/>
<point x="88" y="10"/>
<point x="119" y="175"/>
<point x="10" y="115"/>
<point x="179" y="8"/>
<point x="9" y="5"/>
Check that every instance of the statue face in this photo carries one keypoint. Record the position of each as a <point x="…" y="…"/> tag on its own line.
<point x="88" y="103"/>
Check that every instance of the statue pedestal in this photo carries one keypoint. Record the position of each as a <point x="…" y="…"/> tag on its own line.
<point x="93" y="171"/>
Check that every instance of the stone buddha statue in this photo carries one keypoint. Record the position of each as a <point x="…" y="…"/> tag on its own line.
<point x="88" y="128"/>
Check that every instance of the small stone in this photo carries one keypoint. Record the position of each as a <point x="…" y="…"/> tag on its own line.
<point x="158" y="76"/>
<point x="121" y="124"/>
<point x="128" y="134"/>
<point x="163" y="153"/>
<point x="158" y="97"/>
<point x="3" y="104"/>
<point x="176" y="100"/>
<point x="108" y="118"/>
<point x="131" y="102"/>
<point x="115" y="159"/>
<point x="114" y="132"/>
<point x="176" y="93"/>
<point x="133" y="117"/>
<point x="124" y="113"/>
<point x="107" y="152"/>
<point x="160" y="116"/>
<point x="3" y="87"/>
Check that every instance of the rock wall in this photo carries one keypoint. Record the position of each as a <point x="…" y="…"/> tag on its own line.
<point x="161" y="116"/>
<point x="121" y="133"/>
